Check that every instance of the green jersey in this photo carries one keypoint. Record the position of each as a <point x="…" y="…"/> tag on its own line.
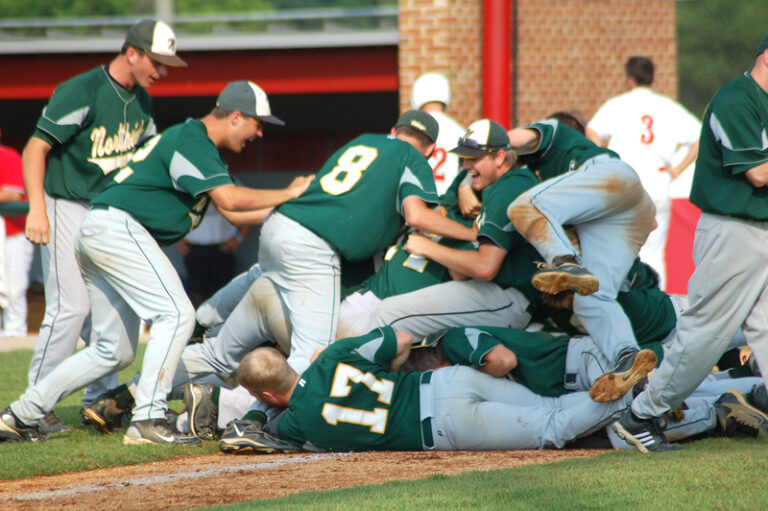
<point x="540" y="355"/>
<point x="733" y="140"/>
<point x="560" y="149"/>
<point x="518" y="266"/>
<point x="93" y="125"/>
<point x="403" y="272"/>
<point x="649" y="309"/>
<point x="355" y="202"/>
<point x="164" y="184"/>
<point x="349" y="400"/>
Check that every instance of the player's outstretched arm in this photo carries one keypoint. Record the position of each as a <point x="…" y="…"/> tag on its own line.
<point x="421" y="217"/>
<point x="241" y="198"/>
<point x="33" y="165"/>
<point x="483" y="263"/>
<point x="241" y="218"/>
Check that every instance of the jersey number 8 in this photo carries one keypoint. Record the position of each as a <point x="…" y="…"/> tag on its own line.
<point x="348" y="170"/>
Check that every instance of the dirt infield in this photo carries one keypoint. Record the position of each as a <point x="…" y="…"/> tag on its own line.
<point x="216" y="479"/>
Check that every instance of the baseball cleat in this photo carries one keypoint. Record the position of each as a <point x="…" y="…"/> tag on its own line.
<point x="564" y="277"/>
<point x="245" y="437"/>
<point x="631" y="368"/>
<point x="156" y="431"/>
<point x="52" y="424"/>
<point x="759" y="397"/>
<point x="735" y="417"/>
<point x="104" y="415"/>
<point x="13" y="430"/>
<point x="203" y="412"/>
<point x="646" y="435"/>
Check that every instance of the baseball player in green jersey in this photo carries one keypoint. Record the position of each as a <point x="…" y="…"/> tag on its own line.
<point x="362" y="196"/>
<point x="551" y="365"/>
<point x="727" y="288"/>
<point x="88" y="130"/>
<point x="158" y="198"/>
<point x="495" y="279"/>
<point x="353" y="397"/>
<point x="590" y="189"/>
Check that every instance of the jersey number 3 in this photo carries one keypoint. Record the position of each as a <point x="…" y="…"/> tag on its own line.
<point x="349" y="169"/>
<point x="376" y="419"/>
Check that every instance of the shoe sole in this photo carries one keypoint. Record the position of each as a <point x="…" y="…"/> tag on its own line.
<point x="612" y="386"/>
<point x="554" y="282"/>
<point x="253" y="449"/>
<point x="129" y="440"/>
<point x="745" y="414"/>
<point x="628" y="437"/>
<point x="96" y="420"/>
<point x="8" y="434"/>
<point x="194" y="403"/>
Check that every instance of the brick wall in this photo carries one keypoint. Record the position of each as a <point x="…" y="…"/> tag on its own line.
<point x="443" y="36"/>
<point x="569" y="53"/>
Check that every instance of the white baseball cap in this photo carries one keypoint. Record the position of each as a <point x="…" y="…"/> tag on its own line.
<point x="430" y="87"/>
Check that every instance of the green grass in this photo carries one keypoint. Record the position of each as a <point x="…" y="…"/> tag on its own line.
<point x="84" y="448"/>
<point x="709" y="474"/>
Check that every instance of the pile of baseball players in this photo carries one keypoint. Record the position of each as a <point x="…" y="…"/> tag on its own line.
<point x="505" y="306"/>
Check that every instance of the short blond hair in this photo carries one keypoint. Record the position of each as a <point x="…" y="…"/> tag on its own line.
<point x="265" y="369"/>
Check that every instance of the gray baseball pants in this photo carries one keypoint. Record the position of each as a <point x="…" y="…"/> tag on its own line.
<point x="66" y="298"/>
<point x="728" y="290"/>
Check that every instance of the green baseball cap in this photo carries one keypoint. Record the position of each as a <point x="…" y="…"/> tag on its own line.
<point x="157" y="39"/>
<point x="482" y="137"/>
<point x="762" y="46"/>
<point x="421" y="122"/>
<point x="249" y="99"/>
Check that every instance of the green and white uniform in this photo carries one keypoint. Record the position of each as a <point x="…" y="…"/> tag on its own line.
<point x="592" y="190"/>
<point x="727" y="289"/>
<point x="506" y="301"/>
<point x="402" y="272"/>
<point x="349" y="400"/>
<point x="551" y="365"/>
<point x="159" y="196"/>
<point x="93" y="125"/>
<point x="352" y="209"/>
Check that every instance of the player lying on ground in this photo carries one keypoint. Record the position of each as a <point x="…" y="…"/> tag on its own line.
<point x="353" y="397"/>
<point x="158" y="198"/>
<point x="552" y="365"/>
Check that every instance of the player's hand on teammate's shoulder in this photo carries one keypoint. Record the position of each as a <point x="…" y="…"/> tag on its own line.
<point x="300" y="183"/>
<point x="37" y="228"/>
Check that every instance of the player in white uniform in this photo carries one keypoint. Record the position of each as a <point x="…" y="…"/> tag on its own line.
<point x="647" y="129"/>
<point x="432" y="94"/>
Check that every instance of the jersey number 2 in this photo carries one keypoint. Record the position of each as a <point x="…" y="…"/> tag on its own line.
<point x="376" y="420"/>
<point x="349" y="169"/>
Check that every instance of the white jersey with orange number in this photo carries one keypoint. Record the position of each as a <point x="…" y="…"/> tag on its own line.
<point x="646" y="129"/>
<point x="445" y="165"/>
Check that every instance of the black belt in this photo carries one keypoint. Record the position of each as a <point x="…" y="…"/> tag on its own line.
<point x="426" y="424"/>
